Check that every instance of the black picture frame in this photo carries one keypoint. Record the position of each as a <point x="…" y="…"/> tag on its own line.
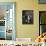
<point x="27" y="17"/>
<point x="42" y="1"/>
<point x="42" y="22"/>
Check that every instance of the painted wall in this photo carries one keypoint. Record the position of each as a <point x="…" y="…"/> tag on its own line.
<point x="42" y="7"/>
<point x="27" y="31"/>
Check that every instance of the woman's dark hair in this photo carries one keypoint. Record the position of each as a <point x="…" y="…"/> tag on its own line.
<point x="44" y="40"/>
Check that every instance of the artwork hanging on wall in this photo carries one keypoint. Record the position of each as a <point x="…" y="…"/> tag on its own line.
<point x="42" y="1"/>
<point x="42" y="22"/>
<point x="27" y="17"/>
<point x="7" y="21"/>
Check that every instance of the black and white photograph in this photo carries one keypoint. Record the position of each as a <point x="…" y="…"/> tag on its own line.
<point x="27" y="17"/>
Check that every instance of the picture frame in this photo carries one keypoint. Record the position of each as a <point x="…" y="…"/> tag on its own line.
<point x="42" y="1"/>
<point x="27" y="17"/>
<point x="42" y="22"/>
<point x="7" y="13"/>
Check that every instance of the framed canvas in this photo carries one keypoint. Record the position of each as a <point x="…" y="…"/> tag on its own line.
<point x="42" y="1"/>
<point x="27" y="17"/>
<point x="7" y="20"/>
<point x="42" y="22"/>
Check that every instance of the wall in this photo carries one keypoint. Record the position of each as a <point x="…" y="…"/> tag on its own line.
<point x="42" y="7"/>
<point x="28" y="31"/>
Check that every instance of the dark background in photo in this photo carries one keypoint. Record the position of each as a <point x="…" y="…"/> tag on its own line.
<point x="27" y="17"/>
<point x="2" y="23"/>
<point x="42" y="22"/>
